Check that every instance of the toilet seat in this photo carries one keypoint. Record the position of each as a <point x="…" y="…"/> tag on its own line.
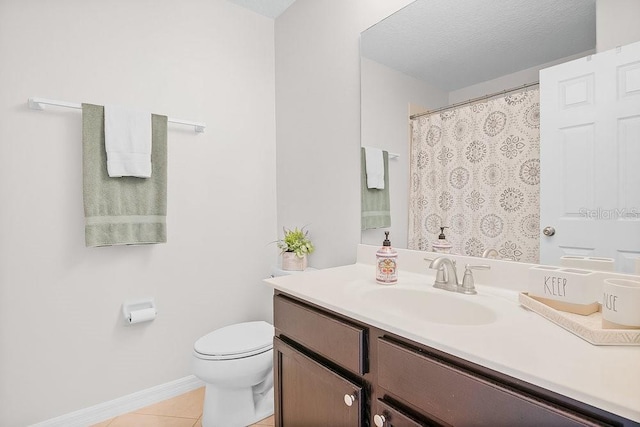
<point x="235" y="341"/>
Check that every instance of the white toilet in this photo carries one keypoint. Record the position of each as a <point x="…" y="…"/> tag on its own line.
<point x="236" y="363"/>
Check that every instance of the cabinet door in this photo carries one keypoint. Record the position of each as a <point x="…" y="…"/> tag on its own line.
<point x="309" y="394"/>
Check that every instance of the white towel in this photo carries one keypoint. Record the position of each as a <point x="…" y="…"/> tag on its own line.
<point x="374" y="163"/>
<point x="127" y="141"/>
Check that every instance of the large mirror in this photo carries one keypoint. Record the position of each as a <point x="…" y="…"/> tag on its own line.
<point x="434" y="54"/>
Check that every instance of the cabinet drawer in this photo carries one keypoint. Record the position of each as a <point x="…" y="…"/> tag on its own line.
<point x="459" y="397"/>
<point x="334" y="339"/>
<point x="393" y="417"/>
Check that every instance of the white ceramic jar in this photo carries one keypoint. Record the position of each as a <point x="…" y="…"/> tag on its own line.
<point x="621" y="304"/>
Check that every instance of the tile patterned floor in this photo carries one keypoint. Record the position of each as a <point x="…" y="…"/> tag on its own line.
<point x="181" y="411"/>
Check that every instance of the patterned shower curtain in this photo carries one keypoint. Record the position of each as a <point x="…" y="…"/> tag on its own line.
<point x="476" y="170"/>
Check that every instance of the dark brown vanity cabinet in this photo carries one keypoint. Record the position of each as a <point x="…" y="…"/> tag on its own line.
<point x="333" y="371"/>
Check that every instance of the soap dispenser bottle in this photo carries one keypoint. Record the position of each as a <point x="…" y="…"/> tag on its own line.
<point x="442" y="245"/>
<point x="386" y="263"/>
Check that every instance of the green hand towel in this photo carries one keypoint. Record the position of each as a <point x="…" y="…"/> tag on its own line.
<point x="127" y="210"/>
<point x="376" y="208"/>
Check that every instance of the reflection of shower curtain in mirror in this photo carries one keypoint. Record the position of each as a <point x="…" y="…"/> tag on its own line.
<point x="476" y="169"/>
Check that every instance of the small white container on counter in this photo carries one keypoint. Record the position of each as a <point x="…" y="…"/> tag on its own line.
<point x="565" y="289"/>
<point x="621" y="304"/>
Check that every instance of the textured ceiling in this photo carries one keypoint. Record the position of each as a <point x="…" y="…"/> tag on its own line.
<point x="455" y="44"/>
<point x="270" y="8"/>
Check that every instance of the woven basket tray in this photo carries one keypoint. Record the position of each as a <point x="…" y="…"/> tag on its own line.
<point x="589" y="328"/>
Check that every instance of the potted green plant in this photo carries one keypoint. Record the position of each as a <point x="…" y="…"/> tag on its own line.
<point x="295" y="246"/>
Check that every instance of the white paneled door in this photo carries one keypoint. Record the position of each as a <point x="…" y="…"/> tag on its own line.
<point x="590" y="158"/>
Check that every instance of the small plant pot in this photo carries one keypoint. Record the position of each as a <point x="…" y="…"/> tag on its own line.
<point x="291" y="262"/>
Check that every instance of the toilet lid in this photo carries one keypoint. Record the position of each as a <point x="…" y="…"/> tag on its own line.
<point x="239" y="340"/>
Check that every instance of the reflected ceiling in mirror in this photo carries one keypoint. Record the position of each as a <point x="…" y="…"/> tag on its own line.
<point x="455" y="44"/>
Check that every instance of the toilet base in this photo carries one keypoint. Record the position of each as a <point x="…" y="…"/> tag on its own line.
<point x="235" y="407"/>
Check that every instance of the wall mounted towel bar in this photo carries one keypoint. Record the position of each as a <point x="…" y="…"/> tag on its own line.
<point x="39" y="103"/>
<point x="392" y="155"/>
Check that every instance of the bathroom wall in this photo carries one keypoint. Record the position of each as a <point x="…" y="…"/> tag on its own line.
<point x="617" y="23"/>
<point x="63" y="346"/>
<point x="386" y="95"/>
<point x="518" y="78"/>
<point x="318" y="120"/>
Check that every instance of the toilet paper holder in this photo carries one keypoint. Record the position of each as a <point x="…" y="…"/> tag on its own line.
<point x="139" y="310"/>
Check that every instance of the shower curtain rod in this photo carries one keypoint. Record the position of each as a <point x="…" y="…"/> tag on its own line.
<point x="471" y="101"/>
<point x="39" y="103"/>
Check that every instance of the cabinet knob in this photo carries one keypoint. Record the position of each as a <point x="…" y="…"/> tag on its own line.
<point x="549" y="231"/>
<point x="349" y="399"/>
<point x="379" y="420"/>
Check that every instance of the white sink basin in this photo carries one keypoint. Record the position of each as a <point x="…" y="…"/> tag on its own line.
<point x="429" y="306"/>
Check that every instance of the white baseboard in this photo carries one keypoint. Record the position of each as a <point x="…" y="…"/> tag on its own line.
<point x="125" y="404"/>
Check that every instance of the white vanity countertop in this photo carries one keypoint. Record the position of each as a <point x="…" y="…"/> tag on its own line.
<point x="518" y="342"/>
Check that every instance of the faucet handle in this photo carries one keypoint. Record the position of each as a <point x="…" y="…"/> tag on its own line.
<point x="468" y="285"/>
<point x="477" y="267"/>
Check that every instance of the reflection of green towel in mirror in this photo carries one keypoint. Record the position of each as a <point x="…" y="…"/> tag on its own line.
<point x="127" y="210"/>
<point x="375" y="204"/>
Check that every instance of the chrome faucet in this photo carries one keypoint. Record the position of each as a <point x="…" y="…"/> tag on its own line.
<point x="490" y="253"/>
<point x="447" y="275"/>
<point x="493" y="254"/>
